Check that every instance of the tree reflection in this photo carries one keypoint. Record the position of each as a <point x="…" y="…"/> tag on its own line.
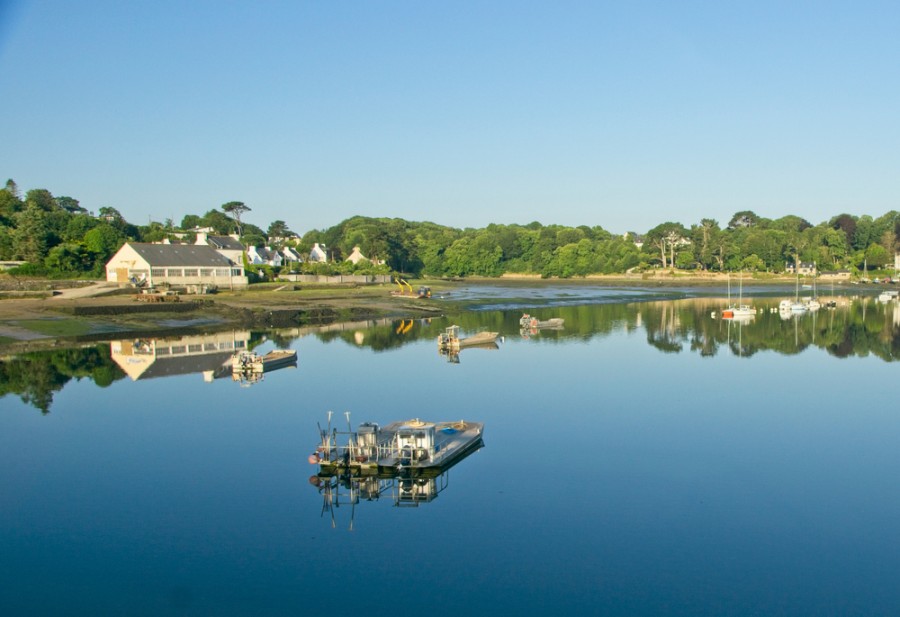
<point x="35" y="377"/>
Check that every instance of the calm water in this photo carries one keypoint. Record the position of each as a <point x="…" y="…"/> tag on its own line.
<point x="646" y="460"/>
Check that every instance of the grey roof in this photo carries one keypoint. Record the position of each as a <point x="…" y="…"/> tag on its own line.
<point x="185" y="255"/>
<point x="219" y="363"/>
<point x="225" y="243"/>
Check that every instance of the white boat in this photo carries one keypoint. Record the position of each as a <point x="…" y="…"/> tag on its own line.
<point x="795" y="306"/>
<point x="739" y="310"/>
<point x="251" y="362"/>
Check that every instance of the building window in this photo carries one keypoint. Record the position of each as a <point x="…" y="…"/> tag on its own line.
<point x="175" y="272"/>
<point x="190" y="272"/>
<point x="221" y="271"/>
<point x="157" y="272"/>
<point x="206" y="272"/>
<point x="236" y="272"/>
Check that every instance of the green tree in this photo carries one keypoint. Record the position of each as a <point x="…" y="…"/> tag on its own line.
<point x="70" y="258"/>
<point x="70" y="205"/>
<point x="30" y="237"/>
<point x="235" y="209"/>
<point x="278" y="229"/>
<point x="745" y="218"/>
<point x="877" y="256"/>
<point x="104" y="240"/>
<point x="9" y="203"/>
<point x="41" y="199"/>
<point x="190" y="221"/>
<point x="664" y="238"/>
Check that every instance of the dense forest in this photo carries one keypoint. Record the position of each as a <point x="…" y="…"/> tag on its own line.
<point x="56" y="236"/>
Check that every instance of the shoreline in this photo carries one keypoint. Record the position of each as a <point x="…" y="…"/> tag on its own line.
<point x="28" y="324"/>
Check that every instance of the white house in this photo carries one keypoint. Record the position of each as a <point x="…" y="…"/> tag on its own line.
<point x="318" y="253"/>
<point x="173" y="264"/>
<point x="356" y="256"/>
<point x="806" y="268"/>
<point x="291" y="255"/>
<point x="258" y="255"/>
<point x="229" y="246"/>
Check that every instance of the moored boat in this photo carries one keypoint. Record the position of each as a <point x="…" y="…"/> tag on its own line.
<point x="410" y="446"/>
<point x="450" y="340"/>
<point x="739" y="310"/>
<point x="251" y="362"/>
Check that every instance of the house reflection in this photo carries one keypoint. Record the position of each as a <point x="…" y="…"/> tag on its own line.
<point x="207" y="354"/>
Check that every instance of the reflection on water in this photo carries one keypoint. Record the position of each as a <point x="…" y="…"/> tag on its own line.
<point x="207" y="354"/>
<point x="648" y="459"/>
<point x="857" y="327"/>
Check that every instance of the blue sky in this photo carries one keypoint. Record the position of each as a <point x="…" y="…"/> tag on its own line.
<point x="619" y="114"/>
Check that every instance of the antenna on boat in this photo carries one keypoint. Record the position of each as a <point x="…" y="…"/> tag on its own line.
<point x="349" y="426"/>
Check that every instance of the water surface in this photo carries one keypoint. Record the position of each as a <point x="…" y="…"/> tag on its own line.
<point x="648" y="459"/>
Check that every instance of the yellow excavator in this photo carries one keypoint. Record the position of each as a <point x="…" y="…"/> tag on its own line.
<point x="406" y="290"/>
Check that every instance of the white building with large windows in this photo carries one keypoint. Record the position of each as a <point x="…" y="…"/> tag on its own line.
<point x="173" y="264"/>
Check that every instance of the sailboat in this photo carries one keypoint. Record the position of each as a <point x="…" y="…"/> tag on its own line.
<point x="813" y="303"/>
<point x="796" y="305"/>
<point x="741" y="310"/>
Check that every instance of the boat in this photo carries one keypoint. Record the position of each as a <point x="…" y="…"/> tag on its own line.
<point x="795" y="306"/>
<point x="533" y="323"/>
<point x="739" y="310"/>
<point x="411" y="447"/>
<point x="407" y="462"/>
<point x="252" y="362"/>
<point x="450" y="340"/>
<point x="887" y="296"/>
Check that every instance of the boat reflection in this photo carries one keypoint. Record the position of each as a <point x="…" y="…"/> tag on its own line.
<point x="248" y="368"/>
<point x="406" y="463"/>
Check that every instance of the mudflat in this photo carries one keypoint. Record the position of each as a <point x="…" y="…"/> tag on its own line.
<point x="30" y="322"/>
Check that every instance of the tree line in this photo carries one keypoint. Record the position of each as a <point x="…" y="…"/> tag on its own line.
<point x="56" y="236"/>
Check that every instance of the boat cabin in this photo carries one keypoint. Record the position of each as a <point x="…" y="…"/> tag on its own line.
<point x="414" y="441"/>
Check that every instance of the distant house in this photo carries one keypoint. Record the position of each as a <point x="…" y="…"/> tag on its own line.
<point x="229" y="246"/>
<point x="807" y="268"/>
<point x="173" y="264"/>
<point x="318" y="254"/>
<point x="356" y="256"/>
<point x="291" y="255"/>
<point x="259" y="255"/>
<point x="635" y="238"/>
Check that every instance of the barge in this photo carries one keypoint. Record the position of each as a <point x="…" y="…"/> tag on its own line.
<point x="408" y="447"/>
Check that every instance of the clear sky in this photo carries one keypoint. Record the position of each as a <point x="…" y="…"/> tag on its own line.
<point x="619" y="114"/>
